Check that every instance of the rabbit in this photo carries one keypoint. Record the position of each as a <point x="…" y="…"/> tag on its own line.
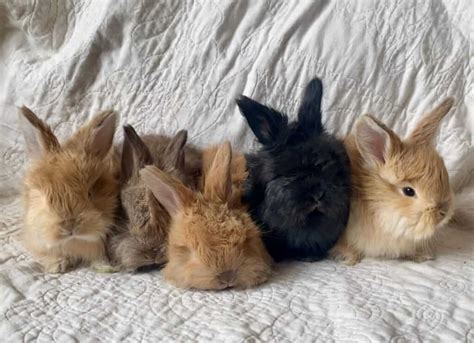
<point x="298" y="189"/>
<point x="142" y="240"/>
<point x="212" y="244"/>
<point x="70" y="192"/>
<point x="401" y="191"/>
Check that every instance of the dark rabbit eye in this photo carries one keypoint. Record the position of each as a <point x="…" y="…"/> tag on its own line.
<point x="408" y="191"/>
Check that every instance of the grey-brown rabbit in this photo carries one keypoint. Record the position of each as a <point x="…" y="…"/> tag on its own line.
<point x="140" y="240"/>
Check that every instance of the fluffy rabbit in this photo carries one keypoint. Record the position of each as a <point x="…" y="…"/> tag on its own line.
<point x="401" y="191"/>
<point x="298" y="188"/>
<point x="70" y="193"/>
<point x="212" y="244"/>
<point x="142" y="241"/>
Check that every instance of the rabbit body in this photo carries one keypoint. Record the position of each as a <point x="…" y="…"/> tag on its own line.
<point x="401" y="191"/>
<point x="298" y="189"/>
<point x="212" y="243"/>
<point x="70" y="192"/>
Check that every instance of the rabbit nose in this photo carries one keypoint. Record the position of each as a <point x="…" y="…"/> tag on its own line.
<point x="69" y="226"/>
<point x="227" y="277"/>
<point x="318" y="196"/>
<point x="443" y="208"/>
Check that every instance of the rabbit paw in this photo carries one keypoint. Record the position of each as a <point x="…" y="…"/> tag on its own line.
<point x="423" y="254"/>
<point x="346" y="255"/>
<point x="57" y="266"/>
<point x="104" y="267"/>
<point x="422" y="257"/>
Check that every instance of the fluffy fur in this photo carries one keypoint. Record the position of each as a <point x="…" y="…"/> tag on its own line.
<point x="70" y="191"/>
<point x="384" y="220"/>
<point x="142" y="240"/>
<point x="298" y="188"/>
<point x="212" y="244"/>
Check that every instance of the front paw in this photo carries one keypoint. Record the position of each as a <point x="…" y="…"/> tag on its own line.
<point x="419" y="258"/>
<point x="104" y="267"/>
<point x="346" y="255"/>
<point x="308" y="258"/>
<point x="57" y="267"/>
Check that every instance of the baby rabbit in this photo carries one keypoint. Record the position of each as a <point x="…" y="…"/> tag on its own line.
<point x="142" y="241"/>
<point x="401" y="191"/>
<point x="298" y="188"/>
<point x="70" y="191"/>
<point x="212" y="244"/>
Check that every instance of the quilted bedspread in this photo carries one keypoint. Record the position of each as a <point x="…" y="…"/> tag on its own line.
<point x="166" y="65"/>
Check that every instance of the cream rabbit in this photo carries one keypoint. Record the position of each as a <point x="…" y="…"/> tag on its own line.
<point x="401" y="191"/>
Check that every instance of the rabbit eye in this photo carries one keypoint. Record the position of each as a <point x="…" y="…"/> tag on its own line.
<point x="408" y="191"/>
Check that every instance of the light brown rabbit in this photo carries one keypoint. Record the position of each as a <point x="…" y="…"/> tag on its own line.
<point x="212" y="244"/>
<point x="142" y="241"/>
<point x="401" y="191"/>
<point x="70" y="191"/>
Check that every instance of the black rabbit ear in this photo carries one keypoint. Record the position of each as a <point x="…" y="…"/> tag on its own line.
<point x="268" y="125"/>
<point x="135" y="154"/>
<point x="309" y="113"/>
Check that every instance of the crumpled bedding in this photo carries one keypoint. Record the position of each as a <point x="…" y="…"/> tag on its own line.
<point x="167" y="65"/>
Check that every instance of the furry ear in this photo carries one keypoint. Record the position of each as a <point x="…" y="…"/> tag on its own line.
<point x="174" y="154"/>
<point x="268" y="125"/>
<point x="425" y="130"/>
<point x="374" y="140"/>
<point x="218" y="182"/>
<point x="102" y="133"/>
<point x="309" y="113"/>
<point x="135" y="154"/>
<point x="38" y="136"/>
<point x="171" y="193"/>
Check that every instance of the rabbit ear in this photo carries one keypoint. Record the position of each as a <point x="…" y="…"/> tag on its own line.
<point x="218" y="182"/>
<point x="268" y="125"/>
<point x="374" y="140"/>
<point x="38" y="136"/>
<point x="135" y="154"/>
<point x="425" y="130"/>
<point x="174" y="153"/>
<point x="309" y="113"/>
<point x="170" y="192"/>
<point x="102" y="130"/>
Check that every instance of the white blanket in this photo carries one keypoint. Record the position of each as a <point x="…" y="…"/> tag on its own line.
<point x="165" y="65"/>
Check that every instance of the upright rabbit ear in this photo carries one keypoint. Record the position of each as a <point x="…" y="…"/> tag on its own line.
<point x="309" y="113"/>
<point x="170" y="192"/>
<point x="135" y="154"/>
<point x="174" y="156"/>
<point x="218" y="182"/>
<point x="375" y="141"/>
<point x="425" y="130"/>
<point x="100" y="131"/>
<point x="38" y="136"/>
<point x="268" y="125"/>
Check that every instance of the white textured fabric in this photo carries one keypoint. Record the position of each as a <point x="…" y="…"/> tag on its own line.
<point x="165" y="65"/>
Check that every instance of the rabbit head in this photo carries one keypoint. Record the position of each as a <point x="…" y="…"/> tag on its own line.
<point x="211" y="244"/>
<point x="144" y="241"/>
<point x="405" y="181"/>
<point x="71" y="189"/>
<point x="299" y="180"/>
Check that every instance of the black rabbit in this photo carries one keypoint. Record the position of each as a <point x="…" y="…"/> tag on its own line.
<point x="298" y="189"/>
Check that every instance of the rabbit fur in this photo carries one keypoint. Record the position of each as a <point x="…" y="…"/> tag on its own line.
<point x="401" y="191"/>
<point x="213" y="243"/>
<point x="298" y="189"/>
<point x="70" y="191"/>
